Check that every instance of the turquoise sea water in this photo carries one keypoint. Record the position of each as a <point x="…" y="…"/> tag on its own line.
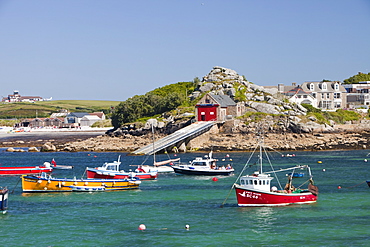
<point x="339" y="218"/>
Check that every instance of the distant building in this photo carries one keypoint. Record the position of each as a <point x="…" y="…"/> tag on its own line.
<point x="358" y="94"/>
<point x="61" y="114"/>
<point x="83" y="118"/>
<point x="299" y="96"/>
<point x="89" y="120"/>
<point x="330" y="96"/>
<point x="16" y="97"/>
<point x="71" y="120"/>
<point x="327" y="96"/>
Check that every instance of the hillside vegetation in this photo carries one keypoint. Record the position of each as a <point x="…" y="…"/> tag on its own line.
<point x="46" y="108"/>
<point x="357" y="78"/>
<point x="155" y="102"/>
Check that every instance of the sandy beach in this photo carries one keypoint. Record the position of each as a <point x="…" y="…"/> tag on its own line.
<point x="38" y="137"/>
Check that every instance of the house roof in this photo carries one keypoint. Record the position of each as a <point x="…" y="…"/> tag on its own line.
<point x="296" y="90"/>
<point x="78" y="114"/>
<point x="99" y="114"/>
<point x="223" y="100"/>
<point x="90" y="117"/>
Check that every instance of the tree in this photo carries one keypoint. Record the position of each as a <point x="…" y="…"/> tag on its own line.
<point x="357" y="78"/>
<point x="152" y="103"/>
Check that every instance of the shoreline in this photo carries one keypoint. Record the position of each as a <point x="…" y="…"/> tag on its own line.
<point x="97" y="141"/>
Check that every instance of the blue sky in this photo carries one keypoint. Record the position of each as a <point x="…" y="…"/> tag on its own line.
<point x="115" y="49"/>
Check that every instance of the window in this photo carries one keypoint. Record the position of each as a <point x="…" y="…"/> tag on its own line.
<point x="326" y="104"/>
<point x="324" y="86"/>
<point x="314" y="95"/>
<point x="311" y="87"/>
<point x="328" y="95"/>
<point x="336" y="86"/>
<point x="208" y="101"/>
<point x="336" y="95"/>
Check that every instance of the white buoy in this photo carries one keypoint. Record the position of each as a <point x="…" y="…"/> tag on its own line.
<point x="365" y="160"/>
<point x="187" y="227"/>
<point x="142" y="227"/>
<point x="323" y="170"/>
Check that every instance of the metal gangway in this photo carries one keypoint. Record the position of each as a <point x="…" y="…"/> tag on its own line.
<point x="179" y="136"/>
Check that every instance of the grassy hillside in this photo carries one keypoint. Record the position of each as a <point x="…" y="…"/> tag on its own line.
<point x="46" y="108"/>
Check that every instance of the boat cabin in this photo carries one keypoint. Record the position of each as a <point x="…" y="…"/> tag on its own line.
<point x="112" y="166"/>
<point x="256" y="181"/>
<point x="203" y="162"/>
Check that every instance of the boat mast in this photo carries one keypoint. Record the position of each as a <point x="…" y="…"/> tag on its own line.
<point x="153" y="143"/>
<point x="260" y="156"/>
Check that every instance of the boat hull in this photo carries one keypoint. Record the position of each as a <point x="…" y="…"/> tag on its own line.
<point x="187" y="171"/>
<point x="255" y="198"/>
<point x="44" y="184"/>
<point x="4" y="200"/>
<point x="101" y="174"/>
<point x="27" y="170"/>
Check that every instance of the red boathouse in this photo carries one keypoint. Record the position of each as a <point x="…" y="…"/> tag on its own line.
<point x="215" y="108"/>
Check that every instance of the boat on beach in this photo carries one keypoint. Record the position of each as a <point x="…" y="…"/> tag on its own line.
<point x="111" y="170"/>
<point x="256" y="189"/>
<point x="25" y="170"/>
<point x="3" y="200"/>
<point x="204" y="166"/>
<point x="47" y="183"/>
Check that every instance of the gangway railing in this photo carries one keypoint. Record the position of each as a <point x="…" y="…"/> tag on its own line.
<point x="190" y="131"/>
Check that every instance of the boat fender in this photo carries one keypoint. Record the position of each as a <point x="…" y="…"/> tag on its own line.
<point x="114" y="182"/>
<point x="63" y="183"/>
<point x="75" y="183"/>
<point x="86" y="183"/>
<point x="102" y="184"/>
<point x="49" y="181"/>
<point x="39" y="181"/>
<point x="45" y="188"/>
<point x="59" y="184"/>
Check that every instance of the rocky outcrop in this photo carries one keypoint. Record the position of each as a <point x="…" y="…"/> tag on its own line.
<point x="224" y="81"/>
<point x="236" y="136"/>
<point x="48" y="147"/>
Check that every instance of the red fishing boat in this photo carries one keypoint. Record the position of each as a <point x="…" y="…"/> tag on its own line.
<point x="25" y="170"/>
<point x="111" y="171"/>
<point x="257" y="190"/>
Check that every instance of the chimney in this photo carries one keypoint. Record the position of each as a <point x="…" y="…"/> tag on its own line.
<point x="281" y="88"/>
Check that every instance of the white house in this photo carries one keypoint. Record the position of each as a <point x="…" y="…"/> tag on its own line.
<point x="89" y="120"/>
